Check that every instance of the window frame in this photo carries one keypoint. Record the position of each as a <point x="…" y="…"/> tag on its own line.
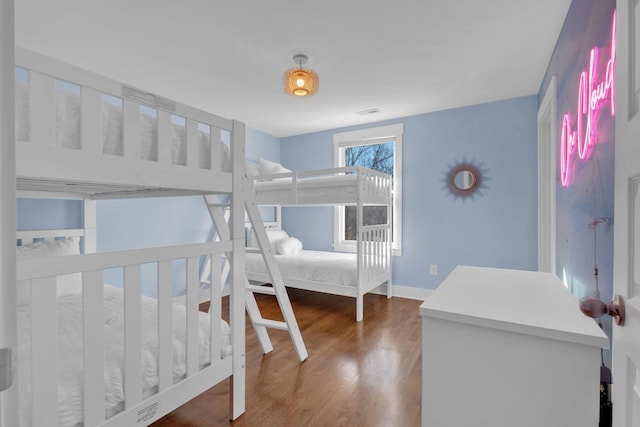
<point x="370" y="136"/>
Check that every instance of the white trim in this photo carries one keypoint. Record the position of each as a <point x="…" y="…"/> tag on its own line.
<point x="408" y="292"/>
<point x="371" y="136"/>
<point x="357" y="137"/>
<point x="547" y="143"/>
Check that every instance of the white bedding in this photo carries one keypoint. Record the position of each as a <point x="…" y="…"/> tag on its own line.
<point x="328" y="267"/>
<point x="70" y="353"/>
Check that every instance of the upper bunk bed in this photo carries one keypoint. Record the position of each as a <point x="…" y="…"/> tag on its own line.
<point x="338" y="186"/>
<point x="82" y="133"/>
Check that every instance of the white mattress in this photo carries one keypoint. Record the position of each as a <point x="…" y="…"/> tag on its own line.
<point x="328" y="267"/>
<point x="70" y="353"/>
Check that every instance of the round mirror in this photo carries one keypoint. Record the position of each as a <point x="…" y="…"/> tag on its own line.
<point x="464" y="180"/>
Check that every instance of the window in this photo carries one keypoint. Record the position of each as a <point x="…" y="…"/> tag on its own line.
<point x="377" y="148"/>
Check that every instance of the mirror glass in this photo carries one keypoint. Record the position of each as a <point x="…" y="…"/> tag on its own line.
<point x="464" y="179"/>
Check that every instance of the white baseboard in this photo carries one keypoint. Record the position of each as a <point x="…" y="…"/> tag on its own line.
<point x="405" y="292"/>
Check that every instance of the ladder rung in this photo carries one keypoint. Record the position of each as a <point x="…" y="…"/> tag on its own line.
<point x="267" y="290"/>
<point x="273" y="324"/>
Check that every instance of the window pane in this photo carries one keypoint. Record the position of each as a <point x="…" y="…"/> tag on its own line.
<point x="375" y="156"/>
<point x="372" y="215"/>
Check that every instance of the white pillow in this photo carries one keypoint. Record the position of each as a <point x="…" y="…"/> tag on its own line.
<point x="251" y="169"/>
<point x="67" y="284"/>
<point x="273" y="235"/>
<point x="289" y="246"/>
<point x="268" y="167"/>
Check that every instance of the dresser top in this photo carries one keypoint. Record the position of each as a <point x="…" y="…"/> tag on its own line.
<point x="524" y="302"/>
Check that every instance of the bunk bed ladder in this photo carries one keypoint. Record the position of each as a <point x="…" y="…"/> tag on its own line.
<point x="260" y="324"/>
<point x="217" y="209"/>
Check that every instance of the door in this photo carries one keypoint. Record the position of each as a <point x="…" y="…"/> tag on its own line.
<point x="626" y="281"/>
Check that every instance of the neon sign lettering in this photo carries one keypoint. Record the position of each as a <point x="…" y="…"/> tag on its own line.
<point x="592" y="96"/>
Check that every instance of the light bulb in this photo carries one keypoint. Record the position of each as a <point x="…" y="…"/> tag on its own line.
<point x="300" y="82"/>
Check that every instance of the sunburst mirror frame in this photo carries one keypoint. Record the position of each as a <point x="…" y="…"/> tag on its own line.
<point x="476" y="182"/>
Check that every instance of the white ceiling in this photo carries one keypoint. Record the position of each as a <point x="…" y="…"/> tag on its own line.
<point x="228" y="57"/>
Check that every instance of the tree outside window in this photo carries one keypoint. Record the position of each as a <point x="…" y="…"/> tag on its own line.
<point x="379" y="157"/>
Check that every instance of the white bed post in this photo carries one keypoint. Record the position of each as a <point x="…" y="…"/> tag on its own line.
<point x="238" y="278"/>
<point x="90" y="234"/>
<point x="8" y="301"/>
<point x="359" y="260"/>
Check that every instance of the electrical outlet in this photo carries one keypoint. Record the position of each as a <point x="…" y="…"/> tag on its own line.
<point x="433" y="269"/>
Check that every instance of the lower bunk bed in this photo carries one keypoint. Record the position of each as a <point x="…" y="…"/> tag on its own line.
<point x="94" y="354"/>
<point x="338" y="273"/>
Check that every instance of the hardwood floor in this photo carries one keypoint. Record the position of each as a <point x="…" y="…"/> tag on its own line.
<point x="357" y="374"/>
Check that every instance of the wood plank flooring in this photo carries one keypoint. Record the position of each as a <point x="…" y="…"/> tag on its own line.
<point x="357" y="374"/>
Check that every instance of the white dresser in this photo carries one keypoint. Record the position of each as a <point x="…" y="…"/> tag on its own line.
<point x="508" y="348"/>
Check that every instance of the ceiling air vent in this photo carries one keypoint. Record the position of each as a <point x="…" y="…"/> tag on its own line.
<point x="368" y="112"/>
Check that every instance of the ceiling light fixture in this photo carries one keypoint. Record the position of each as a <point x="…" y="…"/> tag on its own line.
<point x="300" y="81"/>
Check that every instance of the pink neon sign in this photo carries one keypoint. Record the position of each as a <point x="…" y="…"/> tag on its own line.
<point x="592" y="96"/>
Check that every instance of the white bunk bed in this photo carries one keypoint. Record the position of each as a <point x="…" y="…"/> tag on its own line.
<point x="81" y="135"/>
<point x="347" y="274"/>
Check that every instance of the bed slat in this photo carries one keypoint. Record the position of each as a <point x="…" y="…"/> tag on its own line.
<point x="131" y="130"/>
<point x="42" y="118"/>
<point x="133" y="328"/>
<point x="215" y="308"/>
<point x="165" y="326"/>
<point x="44" y="351"/>
<point x="193" y="288"/>
<point x="91" y="123"/>
<point x="192" y="143"/>
<point x="164" y="137"/>
<point x="216" y="149"/>
<point x="93" y="339"/>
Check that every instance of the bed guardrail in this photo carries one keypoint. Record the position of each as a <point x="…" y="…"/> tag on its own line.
<point x="59" y="106"/>
<point x="374" y="253"/>
<point x="42" y="274"/>
<point x="369" y="185"/>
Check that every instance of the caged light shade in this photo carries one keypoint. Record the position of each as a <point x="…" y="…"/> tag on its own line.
<point x="300" y="81"/>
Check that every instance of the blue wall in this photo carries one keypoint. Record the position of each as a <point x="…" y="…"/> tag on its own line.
<point x="589" y="194"/>
<point x="37" y="214"/>
<point x="496" y="229"/>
